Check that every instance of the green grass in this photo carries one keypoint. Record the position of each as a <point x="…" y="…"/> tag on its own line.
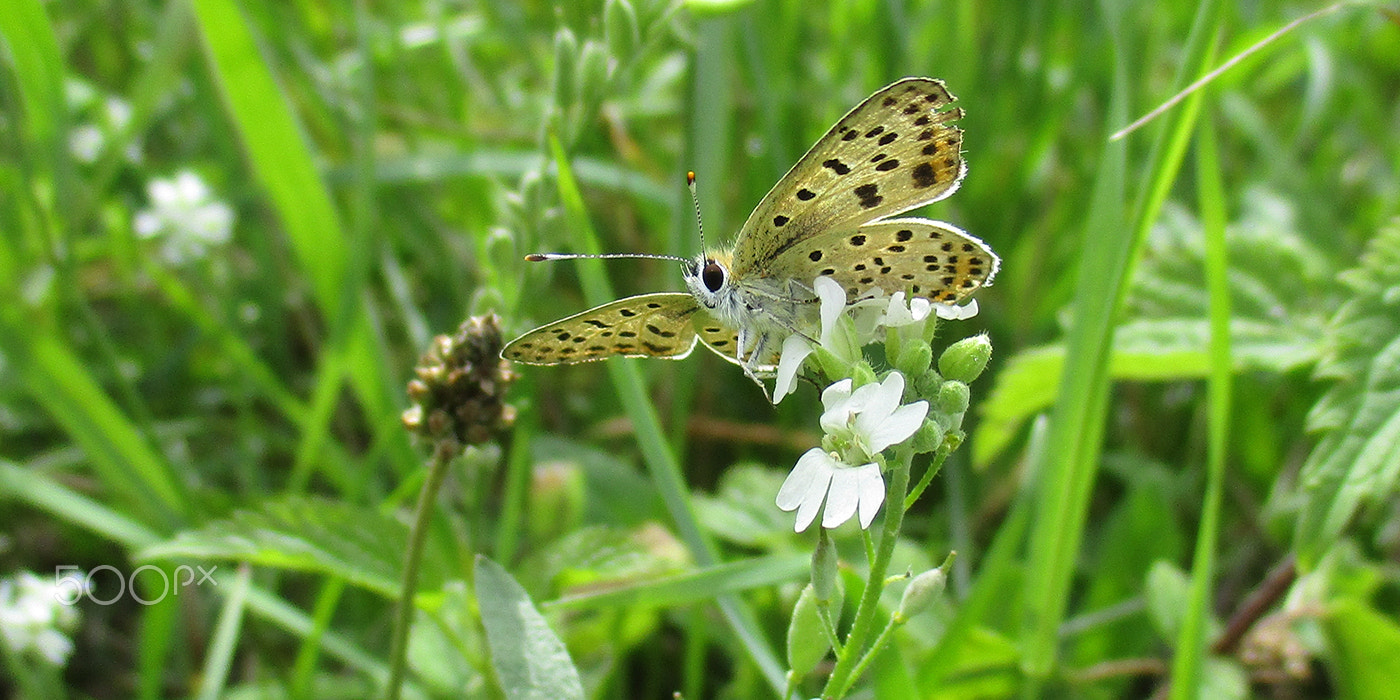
<point x="1194" y="333"/>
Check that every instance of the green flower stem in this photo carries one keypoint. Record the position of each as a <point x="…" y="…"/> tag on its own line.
<point x="875" y="648"/>
<point x="844" y="674"/>
<point x="829" y="626"/>
<point x="417" y="537"/>
<point x="933" y="468"/>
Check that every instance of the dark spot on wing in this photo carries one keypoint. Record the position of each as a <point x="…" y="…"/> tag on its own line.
<point x="837" y="166"/>
<point x="888" y="139"/>
<point x="858" y="240"/>
<point x="921" y="121"/>
<point x="875" y="132"/>
<point x="780" y="220"/>
<point x="924" y="175"/>
<point x="815" y="256"/>
<point x="869" y="195"/>
<point x="805" y="194"/>
<point x="888" y="165"/>
<point x="903" y="235"/>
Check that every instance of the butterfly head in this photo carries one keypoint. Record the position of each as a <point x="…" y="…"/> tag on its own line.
<point x="707" y="278"/>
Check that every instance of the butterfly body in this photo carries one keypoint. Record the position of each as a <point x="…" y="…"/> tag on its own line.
<point x="830" y="215"/>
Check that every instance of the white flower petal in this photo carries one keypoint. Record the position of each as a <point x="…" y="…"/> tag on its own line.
<point x="836" y="394"/>
<point x="900" y="426"/>
<point x="871" y="486"/>
<point x="812" y="472"/>
<point x="953" y="312"/>
<point x="807" y="512"/>
<point x="842" y="498"/>
<point x="882" y="402"/>
<point x="795" y="351"/>
<point x="833" y="301"/>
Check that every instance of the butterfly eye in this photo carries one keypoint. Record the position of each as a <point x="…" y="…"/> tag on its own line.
<point x="712" y="276"/>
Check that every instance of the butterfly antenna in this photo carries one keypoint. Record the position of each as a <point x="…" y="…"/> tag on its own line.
<point x="695" y="200"/>
<point x="541" y="257"/>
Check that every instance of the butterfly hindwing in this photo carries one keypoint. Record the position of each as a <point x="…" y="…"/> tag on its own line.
<point x="725" y="343"/>
<point x="648" y="325"/>
<point x="924" y="258"/>
<point x="895" y="151"/>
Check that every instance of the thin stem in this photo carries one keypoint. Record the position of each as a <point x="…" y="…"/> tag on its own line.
<point x="933" y="468"/>
<point x="880" y="641"/>
<point x="842" y="676"/>
<point x="417" y="537"/>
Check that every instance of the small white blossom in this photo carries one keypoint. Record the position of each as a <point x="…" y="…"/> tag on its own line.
<point x="185" y="212"/>
<point x="869" y="317"/>
<point x="860" y="424"/>
<point x="33" y="618"/>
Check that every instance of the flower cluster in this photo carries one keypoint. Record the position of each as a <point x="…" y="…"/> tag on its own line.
<point x="458" y="393"/>
<point x="864" y="417"/>
<point x="32" y="618"/>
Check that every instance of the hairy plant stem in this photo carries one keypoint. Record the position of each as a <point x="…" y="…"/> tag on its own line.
<point x="417" y="536"/>
<point x="868" y="612"/>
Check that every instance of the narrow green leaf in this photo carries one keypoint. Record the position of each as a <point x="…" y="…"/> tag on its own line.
<point x="530" y="661"/>
<point x="1190" y="675"/>
<point x="118" y="451"/>
<point x="694" y="586"/>
<point x="277" y="151"/>
<point x="224" y="644"/>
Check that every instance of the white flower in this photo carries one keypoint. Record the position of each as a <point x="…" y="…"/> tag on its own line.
<point x="868" y="316"/>
<point x="845" y="489"/>
<point x="186" y="213"/>
<point x="870" y="419"/>
<point x="33" y="618"/>
<point x="859" y="424"/>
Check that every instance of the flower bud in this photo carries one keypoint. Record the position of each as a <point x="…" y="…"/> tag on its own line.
<point x="929" y="437"/>
<point x="965" y="359"/>
<point x="595" y="68"/>
<point x="921" y="593"/>
<point x="565" y="60"/>
<point x="620" y="27"/>
<point x="913" y="358"/>
<point x="806" y="642"/>
<point x="952" y="398"/>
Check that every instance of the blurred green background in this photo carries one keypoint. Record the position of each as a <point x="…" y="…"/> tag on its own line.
<point x="232" y="227"/>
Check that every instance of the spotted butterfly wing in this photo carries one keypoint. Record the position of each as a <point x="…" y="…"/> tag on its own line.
<point x="648" y="325"/>
<point x="895" y="151"/>
<point x="725" y="343"/>
<point x="924" y="258"/>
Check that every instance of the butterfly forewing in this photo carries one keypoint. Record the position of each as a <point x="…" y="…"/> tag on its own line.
<point x="895" y="151"/>
<point x="921" y="257"/>
<point x="649" y="325"/>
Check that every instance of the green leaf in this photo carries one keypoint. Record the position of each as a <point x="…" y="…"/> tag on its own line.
<point x="359" y="544"/>
<point x="1167" y="592"/>
<point x="1358" y="460"/>
<point x="530" y="661"/>
<point x="1365" y="648"/>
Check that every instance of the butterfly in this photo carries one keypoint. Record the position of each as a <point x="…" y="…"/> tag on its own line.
<point x="829" y="215"/>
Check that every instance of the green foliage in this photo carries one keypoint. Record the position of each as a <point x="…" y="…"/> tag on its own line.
<point x="530" y="661"/>
<point x="1357" y="462"/>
